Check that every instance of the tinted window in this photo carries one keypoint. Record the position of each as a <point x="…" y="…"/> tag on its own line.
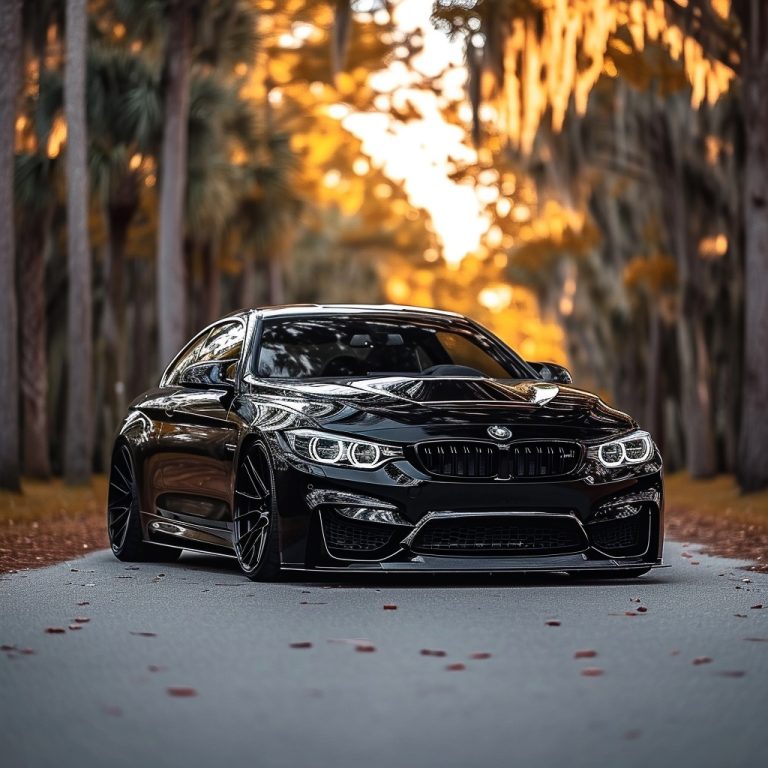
<point x="187" y="356"/>
<point x="315" y="347"/>
<point x="224" y="343"/>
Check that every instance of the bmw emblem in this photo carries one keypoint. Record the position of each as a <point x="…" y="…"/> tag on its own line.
<point x="500" y="433"/>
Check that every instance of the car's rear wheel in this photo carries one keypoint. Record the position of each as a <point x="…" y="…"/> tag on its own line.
<point x="255" y="535"/>
<point x="123" y="514"/>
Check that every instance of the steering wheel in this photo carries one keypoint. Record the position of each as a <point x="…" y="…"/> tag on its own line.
<point x="452" y="370"/>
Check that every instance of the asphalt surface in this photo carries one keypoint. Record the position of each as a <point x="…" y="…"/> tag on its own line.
<point x="103" y="694"/>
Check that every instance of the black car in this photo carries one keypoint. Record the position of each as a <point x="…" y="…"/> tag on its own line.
<point x="380" y="438"/>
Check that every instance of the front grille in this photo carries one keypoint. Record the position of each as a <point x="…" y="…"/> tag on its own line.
<point x="348" y="536"/>
<point x="622" y="537"/>
<point x="480" y="460"/>
<point x="502" y="535"/>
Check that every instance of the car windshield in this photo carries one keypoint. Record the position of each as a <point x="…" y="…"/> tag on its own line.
<point x="352" y="346"/>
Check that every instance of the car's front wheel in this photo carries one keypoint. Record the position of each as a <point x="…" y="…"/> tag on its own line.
<point x="124" y="517"/>
<point x="254" y="534"/>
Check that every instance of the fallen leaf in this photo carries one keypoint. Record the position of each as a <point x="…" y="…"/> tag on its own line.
<point x="6" y="647"/>
<point x="81" y="619"/>
<point x="182" y="693"/>
<point x="740" y="615"/>
<point x="55" y="630"/>
<point x="301" y="644"/>
<point x="552" y="622"/>
<point x="591" y="672"/>
<point x="145" y="634"/>
<point x="746" y="581"/>
<point x="756" y="639"/>
<point x="701" y="660"/>
<point x="630" y="613"/>
<point x="307" y="602"/>
<point x="642" y="609"/>
<point x="634" y="599"/>
<point x="480" y="655"/>
<point x="428" y="652"/>
<point x="695" y="562"/>
<point x="364" y="648"/>
<point x="585" y="654"/>
<point x="74" y="627"/>
<point x="686" y="554"/>
<point x="732" y="673"/>
<point x="155" y="668"/>
<point x="756" y="607"/>
<point x="27" y="651"/>
<point x="390" y="607"/>
<point x="457" y="667"/>
<point x="83" y="602"/>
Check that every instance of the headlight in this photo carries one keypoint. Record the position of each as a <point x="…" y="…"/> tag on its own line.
<point x="326" y="448"/>
<point x="632" y="449"/>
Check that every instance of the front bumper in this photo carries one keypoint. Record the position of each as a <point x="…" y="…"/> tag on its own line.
<point x="584" y="513"/>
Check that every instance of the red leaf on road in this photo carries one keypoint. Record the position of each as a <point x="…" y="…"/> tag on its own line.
<point x="364" y="648"/>
<point x="552" y="622"/>
<point x="458" y="667"/>
<point x="302" y="644"/>
<point x="585" y="654"/>
<point x="81" y="619"/>
<point x="74" y="627"/>
<point x="756" y="639"/>
<point x="701" y="660"/>
<point x="27" y="651"/>
<point x="390" y="607"/>
<point x="182" y="693"/>
<point x="5" y="647"/>
<point x="428" y="652"/>
<point x="630" y="613"/>
<point x="144" y="634"/>
<point x="641" y="609"/>
<point x="480" y="655"/>
<point x="756" y="607"/>
<point x="55" y="630"/>
<point x="686" y="554"/>
<point x="591" y="672"/>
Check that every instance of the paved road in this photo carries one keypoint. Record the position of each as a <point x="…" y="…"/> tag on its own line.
<point x="100" y="696"/>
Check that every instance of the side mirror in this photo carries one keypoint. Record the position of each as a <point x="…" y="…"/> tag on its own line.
<point x="557" y="374"/>
<point x="215" y="374"/>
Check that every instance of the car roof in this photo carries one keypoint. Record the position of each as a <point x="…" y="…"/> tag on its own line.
<point x="347" y="309"/>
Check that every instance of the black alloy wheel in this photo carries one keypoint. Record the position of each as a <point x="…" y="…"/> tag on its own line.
<point x="254" y="532"/>
<point x="123" y="514"/>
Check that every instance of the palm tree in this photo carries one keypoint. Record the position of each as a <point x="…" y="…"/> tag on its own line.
<point x="10" y="65"/>
<point x="78" y="456"/>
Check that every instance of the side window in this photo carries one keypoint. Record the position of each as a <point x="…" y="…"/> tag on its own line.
<point x="186" y="358"/>
<point x="224" y="344"/>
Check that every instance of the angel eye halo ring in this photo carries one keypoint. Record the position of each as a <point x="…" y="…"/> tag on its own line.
<point x="339" y="450"/>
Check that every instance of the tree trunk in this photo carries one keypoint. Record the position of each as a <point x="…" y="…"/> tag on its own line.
<point x="276" y="280"/>
<point x="753" y="442"/>
<point x="653" y="373"/>
<point x="10" y="65"/>
<point x="34" y="358"/>
<point x="211" y="280"/>
<point x="171" y="284"/>
<point x="78" y="453"/>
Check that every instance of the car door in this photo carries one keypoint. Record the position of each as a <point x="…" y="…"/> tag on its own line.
<point x="192" y="469"/>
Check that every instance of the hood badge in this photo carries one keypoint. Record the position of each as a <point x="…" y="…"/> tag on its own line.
<point x="497" y="432"/>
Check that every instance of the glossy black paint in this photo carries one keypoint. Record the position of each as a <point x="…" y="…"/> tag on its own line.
<point x="187" y="438"/>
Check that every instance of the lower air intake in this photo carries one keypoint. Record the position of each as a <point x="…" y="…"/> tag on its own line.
<point x="345" y="536"/>
<point x="502" y="535"/>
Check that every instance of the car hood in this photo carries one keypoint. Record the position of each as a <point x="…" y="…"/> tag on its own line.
<point x="422" y="408"/>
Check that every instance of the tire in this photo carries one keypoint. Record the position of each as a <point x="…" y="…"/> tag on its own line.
<point x="123" y="514"/>
<point x="255" y="535"/>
